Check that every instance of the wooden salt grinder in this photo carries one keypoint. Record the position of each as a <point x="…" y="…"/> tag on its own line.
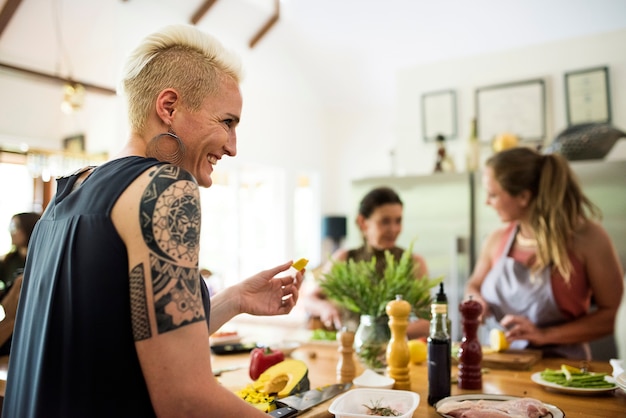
<point x="398" y="356"/>
<point x="346" y="370"/>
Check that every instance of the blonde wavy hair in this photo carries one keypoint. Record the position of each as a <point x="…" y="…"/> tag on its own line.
<point x="180" y="57"/>
<point x="557" y="205"/>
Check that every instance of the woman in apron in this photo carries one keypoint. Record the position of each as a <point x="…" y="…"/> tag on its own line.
<point x="537" y="276"/>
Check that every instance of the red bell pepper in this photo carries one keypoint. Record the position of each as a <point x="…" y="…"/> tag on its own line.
<point x="262" y="358"/>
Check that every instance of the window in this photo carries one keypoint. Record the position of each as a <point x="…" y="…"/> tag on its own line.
<point x="253" y="218"/>
<point x="248" y="226"/>
<point x="17" y="196"/>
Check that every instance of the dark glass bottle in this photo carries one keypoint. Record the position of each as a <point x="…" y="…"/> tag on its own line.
<point x="439" y="350"/>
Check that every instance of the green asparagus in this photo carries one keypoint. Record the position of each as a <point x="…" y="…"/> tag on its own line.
<point x="576" y="379"/>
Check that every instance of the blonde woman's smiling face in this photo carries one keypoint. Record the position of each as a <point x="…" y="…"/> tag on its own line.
<point x="210" y="132"/>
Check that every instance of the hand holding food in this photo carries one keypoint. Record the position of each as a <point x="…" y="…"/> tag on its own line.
<point x="300" y="264"/>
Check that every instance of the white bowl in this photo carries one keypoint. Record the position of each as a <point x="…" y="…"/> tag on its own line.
<point x="620" y="380"/>
<point x="371" y="379"/>
<point x="287" y="347"/>
<point x="351" y="404"/>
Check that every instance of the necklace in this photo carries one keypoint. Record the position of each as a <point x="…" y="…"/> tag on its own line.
<point x="525" y="242"/>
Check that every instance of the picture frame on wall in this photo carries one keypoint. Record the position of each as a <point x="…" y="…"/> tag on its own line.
<point x="587" y="96"/>
<point x="74" y="144"/>
<point x="439" y="115"/>
<point x="517" y="108"/>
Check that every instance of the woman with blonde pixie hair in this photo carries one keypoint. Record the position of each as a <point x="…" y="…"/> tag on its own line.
<point x="538" y="274"/>
<point x="114" y="317"/>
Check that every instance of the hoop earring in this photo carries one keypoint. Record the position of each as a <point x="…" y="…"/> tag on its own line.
<point x="176" y="157"/>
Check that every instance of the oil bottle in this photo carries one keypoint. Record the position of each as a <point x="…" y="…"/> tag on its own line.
<point x="439" y="350"/>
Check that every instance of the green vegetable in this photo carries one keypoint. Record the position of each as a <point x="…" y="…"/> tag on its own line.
<point x="374" y="355"/>
<point x="576" y="380"/>
<point x="324" y="335"/>
<point x="357" y="286"/>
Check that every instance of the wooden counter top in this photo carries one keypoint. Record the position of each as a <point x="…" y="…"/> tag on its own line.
<point x="322" y="361"/>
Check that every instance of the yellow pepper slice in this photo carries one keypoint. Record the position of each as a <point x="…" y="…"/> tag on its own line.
<point x="300" y="264"/>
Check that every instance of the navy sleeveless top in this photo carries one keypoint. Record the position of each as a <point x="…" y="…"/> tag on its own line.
<point x="73" y="352"/>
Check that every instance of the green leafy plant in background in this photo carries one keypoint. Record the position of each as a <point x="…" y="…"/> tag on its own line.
<point x="358" y="287"/>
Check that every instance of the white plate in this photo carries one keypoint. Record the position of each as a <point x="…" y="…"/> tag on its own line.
<point x="371" y="379"/>
<point x="555" y="411"/>
<point x="536" y="377"/>
<point x="620" y="380"/>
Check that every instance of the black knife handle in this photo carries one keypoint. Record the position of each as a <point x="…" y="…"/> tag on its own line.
<point x="284" y="412"/>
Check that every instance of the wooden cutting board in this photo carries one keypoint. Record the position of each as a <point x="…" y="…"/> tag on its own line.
<point x="510" y="359"/>
<point x="320" y="411"/>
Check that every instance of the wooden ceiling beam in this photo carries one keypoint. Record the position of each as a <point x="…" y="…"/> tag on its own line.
<point x="7" y="13"/>
<point x="58" y="79"/>
<point x="199" y="14"/>
<point x="268" y="25"/>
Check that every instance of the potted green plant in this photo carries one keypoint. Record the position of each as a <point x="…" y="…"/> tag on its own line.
<point x="359" y="288"/>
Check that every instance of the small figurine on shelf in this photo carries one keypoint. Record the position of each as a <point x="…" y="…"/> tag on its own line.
<point x="443" y="163"/>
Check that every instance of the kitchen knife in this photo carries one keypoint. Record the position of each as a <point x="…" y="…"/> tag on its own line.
<point x="292" y="406"/>
<point x="218" y="372"/>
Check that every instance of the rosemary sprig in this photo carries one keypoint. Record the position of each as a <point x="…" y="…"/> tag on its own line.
<point x="376" y="409"/>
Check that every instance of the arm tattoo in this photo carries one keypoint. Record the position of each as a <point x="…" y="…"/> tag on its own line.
<point x="139" y="309"/>
<point x="170" y="224"/>
<point x="170" y="215"/>
<point x="177" y="298"/>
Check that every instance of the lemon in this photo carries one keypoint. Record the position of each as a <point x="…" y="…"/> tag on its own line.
<point x="505" y="141"/>
<point x="418" y="351"/>
<point x="569" y="370"/>
<point x="497" y="340"/>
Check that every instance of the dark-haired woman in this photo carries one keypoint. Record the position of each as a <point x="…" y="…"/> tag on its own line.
<point x="380" y="222"/>
<point x="11" y="268"/>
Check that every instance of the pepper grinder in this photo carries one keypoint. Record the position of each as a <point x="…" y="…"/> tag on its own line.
<point x="397" y="354"/>
<point x="470" y="351"/>
<point x="346" y="370"/>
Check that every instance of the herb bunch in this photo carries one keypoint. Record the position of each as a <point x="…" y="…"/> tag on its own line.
<point x="378" y="410"/>
<point x="358" y="287"/>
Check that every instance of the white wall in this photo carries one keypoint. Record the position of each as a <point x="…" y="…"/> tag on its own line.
<point x="371" y="133"/>
<point x="548" y="61"/>
<point x="287" y="122"/>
